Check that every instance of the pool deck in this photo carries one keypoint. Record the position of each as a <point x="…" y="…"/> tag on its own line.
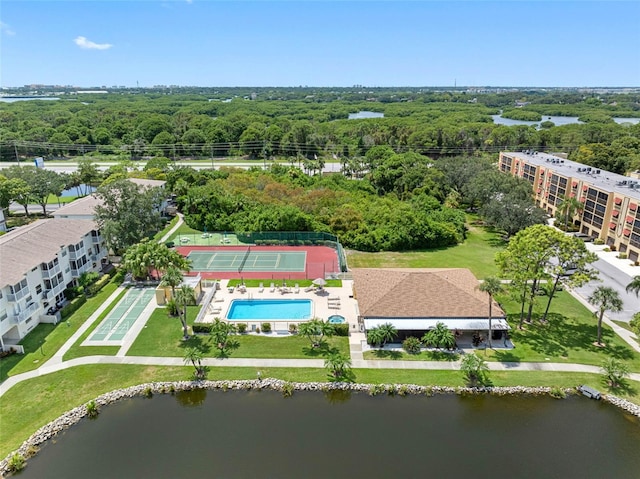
<point x="326" y="302"/>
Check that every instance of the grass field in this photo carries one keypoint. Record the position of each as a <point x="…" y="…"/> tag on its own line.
<point x="162" y="336"/>
<point x="477" y="253"/>
<point x="31" y="404"/>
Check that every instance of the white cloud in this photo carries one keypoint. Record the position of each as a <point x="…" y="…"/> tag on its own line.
<point x="6" y="29"/>
<point x="82" y="42"/>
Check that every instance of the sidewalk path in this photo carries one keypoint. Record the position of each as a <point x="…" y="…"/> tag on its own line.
<point x="170" y="233"/>
<point x="50" y="367"/>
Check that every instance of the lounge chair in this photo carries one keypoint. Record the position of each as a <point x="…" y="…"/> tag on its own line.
<point x="297" y="288"/>
<point x="333" y="298"/>
<point x="273" y="287"/>
<point x="261" y="288"/>
<point x="242" y="288"/>
<point x="334" y="305"/>
<point x="309" y="288"/>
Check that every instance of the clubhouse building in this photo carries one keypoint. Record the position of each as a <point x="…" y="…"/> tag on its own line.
<point x="610" y="200"/>
<point x="415" y="300"/>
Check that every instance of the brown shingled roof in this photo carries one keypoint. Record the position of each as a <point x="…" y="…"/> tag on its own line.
<point x="421" y="293"/>
<point x="35" y="243"/>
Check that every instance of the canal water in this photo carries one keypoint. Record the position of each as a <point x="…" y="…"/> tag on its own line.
<point x="260" y="434"/>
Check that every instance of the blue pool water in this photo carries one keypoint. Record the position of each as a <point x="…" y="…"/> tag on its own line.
<point x="271" y="309"/>
<point x="336" y="319"/>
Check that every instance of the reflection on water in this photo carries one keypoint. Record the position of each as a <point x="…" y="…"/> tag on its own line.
<point x="259" y="434"/>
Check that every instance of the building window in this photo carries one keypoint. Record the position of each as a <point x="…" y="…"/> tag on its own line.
<point x="39" y="289"/>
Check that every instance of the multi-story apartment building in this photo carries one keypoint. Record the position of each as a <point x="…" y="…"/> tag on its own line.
<point x="38" y="262"/>
<point x="610" y="201"/>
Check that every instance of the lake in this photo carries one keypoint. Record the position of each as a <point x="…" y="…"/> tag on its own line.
<point x="557" y="120"/>
<point x="74" y="191"/>
<point x="260" y="434"/>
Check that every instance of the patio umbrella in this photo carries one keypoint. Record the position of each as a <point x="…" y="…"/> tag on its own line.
<point x="319" y="282"/>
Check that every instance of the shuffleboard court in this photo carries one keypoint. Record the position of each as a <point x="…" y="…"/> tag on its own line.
<point x="248" y="261"/>
<point x="119" y="321"/>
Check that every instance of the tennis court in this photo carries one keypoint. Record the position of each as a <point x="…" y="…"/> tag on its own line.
<point x="119" y="321"/>
<point x="248" y="261"/>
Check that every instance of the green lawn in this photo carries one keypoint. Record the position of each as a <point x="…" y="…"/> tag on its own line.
<point x="162" y="336"/>
<point x="43" y="342"/>
<point x="158" y="236"/>
<point x="31" y="404"/>
<point x="63" y="200"/>
<point x="77" y="351"/>
<point x="195" y="237"/>
<point x="477" y="253"/>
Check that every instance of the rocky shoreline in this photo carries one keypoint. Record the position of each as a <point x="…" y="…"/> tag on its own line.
<point x="72" y="417"/>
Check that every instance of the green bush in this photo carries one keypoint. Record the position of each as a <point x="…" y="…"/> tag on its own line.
<point x="72" y="307"/>
<point x="411" y="345"/>
<point x="242" y="328"/>
<point x="266" y="327"/>
<point x="293" y="328"/>
<point x="598" y="241"/>
<point x="622" y="256"/>
<point x="341" y="329"/>
<point x="16" y="462"/>
<point x="202" y="328"/>
<point x="72" y="292"/>
<point x="98" y="285"/>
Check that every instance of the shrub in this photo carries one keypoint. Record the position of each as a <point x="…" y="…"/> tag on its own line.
<point x="258" y="330"/>
<point x="287" y="389"/>
<point x="172" y="308"/>
<point x="266" y="327"/>
<point x="16" y="463"/>
<point x="202" y="328"/>
<point x="411" y="345"/>
<point x="92" y="409"/>
<point x="341" y="329"/>
<point x="615" y="371"/>
<point x="98" y="285"/>
<point x="242" y="328"/>
<point x="72" y="307"/>
<point x="557" y="393"/>
<point x="72" y="292"/>
<point x="148" y="392"/>
<point x="622" y="256"/>
<point x="598" y="241"/>
<point x="607" y="249"/>
<point x="635" y="324"/>
<point x="293" y="328"/>
<point x="612" y="247"/>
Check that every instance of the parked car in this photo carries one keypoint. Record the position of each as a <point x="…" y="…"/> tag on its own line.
<point x="584" y="237"/>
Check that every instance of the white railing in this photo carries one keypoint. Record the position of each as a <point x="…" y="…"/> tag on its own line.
<point x="24" y="315"/>
<point x="50" y="273"/>
<point x="19" y="295"/>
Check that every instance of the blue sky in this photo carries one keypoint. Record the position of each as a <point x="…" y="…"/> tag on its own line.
<point x="320" y="43"/>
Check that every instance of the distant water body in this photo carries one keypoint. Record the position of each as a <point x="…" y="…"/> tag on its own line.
<point x="365" y="114"/>
<point x="557" y="120"/>
<point x="26" y="98"/>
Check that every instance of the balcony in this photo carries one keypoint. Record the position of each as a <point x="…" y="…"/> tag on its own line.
<point x="76" y="272"/>
<point x="53" y="292"/>
<point x="17" y="296"/>
<point x="76" y="254"/>
<point x="50" y="273"/>
<point x="96" y="239"/>
<point x="24" y="315"/>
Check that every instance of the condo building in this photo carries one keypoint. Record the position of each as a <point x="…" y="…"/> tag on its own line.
<point x="610" y="201"/>
<point x="39" y="261"/>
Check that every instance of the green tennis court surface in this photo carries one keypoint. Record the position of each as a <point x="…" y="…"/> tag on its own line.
<point x="256" y="261"/>
<point x="117" y="324"/>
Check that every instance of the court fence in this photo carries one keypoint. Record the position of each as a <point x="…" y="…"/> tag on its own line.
<point x="266" y="238"/>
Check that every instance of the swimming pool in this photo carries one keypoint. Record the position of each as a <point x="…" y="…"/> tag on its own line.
<point x="271" y="309"/>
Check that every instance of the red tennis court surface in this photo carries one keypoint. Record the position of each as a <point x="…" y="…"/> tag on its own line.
<point x="321" y="260"/>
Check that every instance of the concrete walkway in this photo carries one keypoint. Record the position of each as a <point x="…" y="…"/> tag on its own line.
<point x="48" y="367"/>
<point x="170" y="233"/>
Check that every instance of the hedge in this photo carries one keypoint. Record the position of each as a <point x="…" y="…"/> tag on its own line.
<point x="202" y="328"/>
<point x="72" y="307"/>
<point x="341" y="329"/>
<point x="98" y="285"/>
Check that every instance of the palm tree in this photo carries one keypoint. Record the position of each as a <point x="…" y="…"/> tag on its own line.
<point x="474" y="368"/>
<point x="172" y="278"/>
<point x="315" y="330"/>
<point x="194" y="356"/>
<point x="634" y="286"/>
<point x="185" y="296"/>
<point x="338" y="365"/>
<point x="388" y="333"/>
<point x="492" y="286"/>
<point x="568" y="208"/>
<point x="605" y="299"/>
<point x="374" y="336"/>
<point x="220" y="332"/>
<point x="440" y="337"/>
